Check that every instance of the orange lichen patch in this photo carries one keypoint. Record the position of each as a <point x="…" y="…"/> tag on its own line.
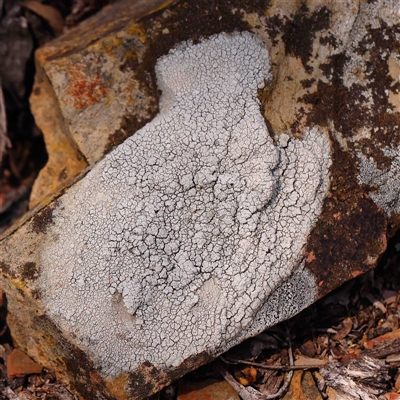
<point x="84" y="90"/>
<point x="139" y="32"/>
<point x="108" y="45"/>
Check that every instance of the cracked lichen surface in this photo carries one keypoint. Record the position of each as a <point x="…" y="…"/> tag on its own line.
<point x="188" y="237"/>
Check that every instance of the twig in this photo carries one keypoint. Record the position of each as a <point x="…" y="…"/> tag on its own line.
<point x="4" y="140"/>
<point x="3" y="331"/>
<point x="249" y="393"/>
<point x="393" y="358"/>
<point x="283" y="368"/>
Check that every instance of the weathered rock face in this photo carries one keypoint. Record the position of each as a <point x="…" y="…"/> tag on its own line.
<point x="193" y="222"/>
<point x="266" y="178"/>
<point x="102" y="95"/>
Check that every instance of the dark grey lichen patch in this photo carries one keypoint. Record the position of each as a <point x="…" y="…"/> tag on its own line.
<point x="87" y="381"/>
<point x="7" y="270"/>
<point x="350" y="234"/>
<point x="43" y="219"/>
<point x="354" y="91"/>
<point x="299" y="32"/>
<point x="356" y="99"/>
<point x="143" y="382"/>
<point x="383" y="183"/>
<point x="176" y="242"/>
<point x="29" y="271"/>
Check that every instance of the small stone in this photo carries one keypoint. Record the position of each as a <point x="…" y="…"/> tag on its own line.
<point x="209" y="389"/>
<point x="20" y="365"/>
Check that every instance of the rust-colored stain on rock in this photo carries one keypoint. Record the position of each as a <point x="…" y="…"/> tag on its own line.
<point x="84" y="90"/>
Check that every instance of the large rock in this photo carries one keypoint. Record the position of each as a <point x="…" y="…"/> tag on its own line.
<point x="267" y="179"/>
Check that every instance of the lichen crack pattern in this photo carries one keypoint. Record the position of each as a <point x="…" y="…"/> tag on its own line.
<point x="174" y="242"/>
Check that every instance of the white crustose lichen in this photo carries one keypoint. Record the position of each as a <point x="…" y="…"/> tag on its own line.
<point x="188" y="237"/>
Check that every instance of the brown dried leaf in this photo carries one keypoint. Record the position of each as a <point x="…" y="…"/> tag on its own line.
<point x="50" y="14"/>
<point x="344" y="329"/>
<point x="246" y="376"/>
<point x="376" y="303"/>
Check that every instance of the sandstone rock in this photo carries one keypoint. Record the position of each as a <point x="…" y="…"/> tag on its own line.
<point x="212" y="213"/>
<point x="86" y="102"/>
<point x="197" y="206"/>
<point x="65" y="161"/>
